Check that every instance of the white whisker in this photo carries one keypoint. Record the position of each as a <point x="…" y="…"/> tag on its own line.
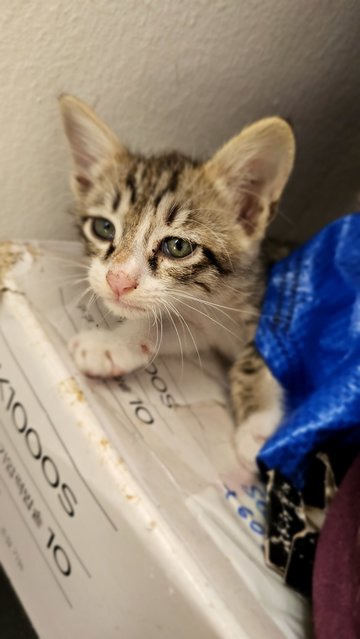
<point x="68" y="261"/>
<point x="165" y="304"/>
<point x="209" y="317"/>
<point x="158" y="341"/>
<point x="241" y="311"/>
<point x="184" y="322"/>
<point x="77" y="301"/>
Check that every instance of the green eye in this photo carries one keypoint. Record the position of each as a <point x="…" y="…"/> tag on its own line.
<point x="102" y="228"/>
<point x="177" y="247"/>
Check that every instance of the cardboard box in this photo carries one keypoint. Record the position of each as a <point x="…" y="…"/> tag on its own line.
<point x="114" y="519"/>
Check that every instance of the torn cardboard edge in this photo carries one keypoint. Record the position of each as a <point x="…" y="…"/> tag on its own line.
<point x="13" y="253"/>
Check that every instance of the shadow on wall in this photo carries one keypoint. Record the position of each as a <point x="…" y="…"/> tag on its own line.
<point x="322" y="72"/>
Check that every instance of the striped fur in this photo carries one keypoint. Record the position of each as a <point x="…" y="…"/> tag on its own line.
<point x="221" y="206"/>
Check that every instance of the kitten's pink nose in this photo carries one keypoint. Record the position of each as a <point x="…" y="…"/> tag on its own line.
<point x="120" y="282"/>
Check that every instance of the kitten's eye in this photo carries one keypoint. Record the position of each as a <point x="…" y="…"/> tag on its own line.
<point x="102" y="228"/>
<point x="177" y="247"/>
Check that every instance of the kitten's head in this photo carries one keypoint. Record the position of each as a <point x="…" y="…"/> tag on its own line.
<point x="165" y="227"/>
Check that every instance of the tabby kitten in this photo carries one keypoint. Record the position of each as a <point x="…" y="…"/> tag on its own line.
<point x="175" y="248"/>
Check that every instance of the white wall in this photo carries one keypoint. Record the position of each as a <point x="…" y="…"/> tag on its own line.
<point x="178" y="73"/>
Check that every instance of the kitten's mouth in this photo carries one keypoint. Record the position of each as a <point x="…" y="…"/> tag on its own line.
<point x="122" y="304"/>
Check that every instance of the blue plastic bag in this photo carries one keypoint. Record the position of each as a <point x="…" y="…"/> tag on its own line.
<point x="309" y="335"/>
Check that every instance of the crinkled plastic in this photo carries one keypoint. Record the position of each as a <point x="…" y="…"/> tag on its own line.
<point x="309" y="335"/>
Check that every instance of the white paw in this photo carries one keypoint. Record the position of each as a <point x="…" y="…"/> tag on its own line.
<point x="252" y="434"/>
<point x="100" y="354"/>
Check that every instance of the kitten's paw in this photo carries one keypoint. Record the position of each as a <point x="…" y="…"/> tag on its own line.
<point x="252" y="434"/>
<point x="99" y="355"/>
<point x="93" y="356"/>
<point x="239" y="477"/>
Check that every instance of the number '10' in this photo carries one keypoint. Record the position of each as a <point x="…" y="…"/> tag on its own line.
<point x="61" y="559"/>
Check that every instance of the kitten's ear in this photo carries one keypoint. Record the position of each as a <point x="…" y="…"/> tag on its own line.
<point x="93" y="145"/>
<point x="251" y="171"/>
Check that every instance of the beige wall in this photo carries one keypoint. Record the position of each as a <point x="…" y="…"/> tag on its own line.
<point x="178" y="73"/>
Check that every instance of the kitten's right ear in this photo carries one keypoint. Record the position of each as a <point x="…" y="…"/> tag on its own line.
<point x="251" y="171"/>
<point x="93" y="145"/>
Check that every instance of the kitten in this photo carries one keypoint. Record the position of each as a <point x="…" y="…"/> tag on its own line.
<point x="179" y="240"/>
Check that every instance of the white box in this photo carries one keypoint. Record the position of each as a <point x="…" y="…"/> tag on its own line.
<point x="114" y="521"/>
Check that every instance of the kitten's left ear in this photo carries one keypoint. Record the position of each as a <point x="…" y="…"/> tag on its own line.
<point x="93" y="145"/>
<point x="251" y="171"/>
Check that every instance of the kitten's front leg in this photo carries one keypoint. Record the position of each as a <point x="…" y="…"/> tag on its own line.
<point x="112" y="353"/>
<point x="258" y="404"/>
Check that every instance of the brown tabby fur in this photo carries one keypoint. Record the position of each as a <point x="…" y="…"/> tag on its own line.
<point x="223" y="206"/>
